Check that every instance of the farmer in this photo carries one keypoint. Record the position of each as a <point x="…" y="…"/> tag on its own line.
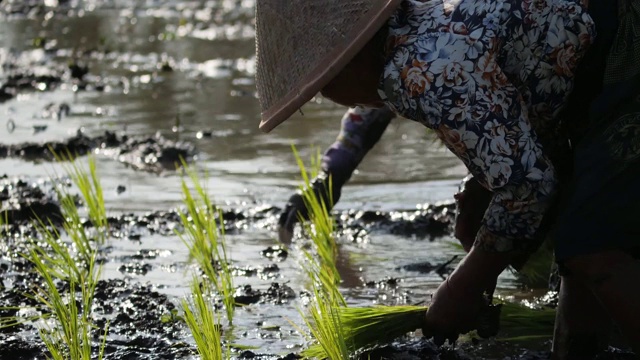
<point x="483" y="75"/>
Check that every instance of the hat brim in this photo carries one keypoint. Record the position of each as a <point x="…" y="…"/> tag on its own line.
<point x="328" y="68"/>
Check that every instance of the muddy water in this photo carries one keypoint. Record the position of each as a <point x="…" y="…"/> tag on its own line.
<point x="184" y="69"/>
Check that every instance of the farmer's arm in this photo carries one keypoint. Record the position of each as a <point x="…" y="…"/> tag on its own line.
<point x="361" y="129"/>
<point x="507" y="235"/>
<point x="506" y="158"/>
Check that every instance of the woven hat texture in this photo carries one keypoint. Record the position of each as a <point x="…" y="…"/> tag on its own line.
<point x="302" y="44"/>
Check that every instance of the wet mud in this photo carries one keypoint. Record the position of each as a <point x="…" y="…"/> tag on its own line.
<point x="139" y="313"/>
<point x="153" y="154"/>
<point x="144" y="323"/>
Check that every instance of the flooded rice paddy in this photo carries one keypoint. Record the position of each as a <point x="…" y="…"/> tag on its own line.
<point x="141" y="84"/>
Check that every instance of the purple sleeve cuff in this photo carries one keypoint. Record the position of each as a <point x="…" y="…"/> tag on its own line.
<point x="361" y="129"/>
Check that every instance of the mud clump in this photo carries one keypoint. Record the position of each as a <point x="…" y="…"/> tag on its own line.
<point x="23" y="202"/>
<point x="137" y="268"/>
<point x="426" y="267"/>
<point x="31" y="71"/>
<point x="430" y="222"/>
<point x="147" y="153"/>
<point x="31" y="8"/>
<point x="277" y="294"/>
<point x="134" y="308"/>
<point x="276" y="253"/>
<point x="153" y="154"/>
<point x="268" y="272"/>
<point x="19" y="349"/>
<point x="27" y="82"/>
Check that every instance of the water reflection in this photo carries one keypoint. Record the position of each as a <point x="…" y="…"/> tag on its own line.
<point x="211" y="87"/>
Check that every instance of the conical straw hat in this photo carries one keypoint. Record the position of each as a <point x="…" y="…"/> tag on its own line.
<point x="303" y="44"/>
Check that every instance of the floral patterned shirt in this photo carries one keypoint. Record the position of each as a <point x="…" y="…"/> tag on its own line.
<point x="484" y="74"/>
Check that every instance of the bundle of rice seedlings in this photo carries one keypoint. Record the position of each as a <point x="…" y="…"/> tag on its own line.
<point x="321" y="265"/>
<point x="364" y="327"/>
<point x="321" y="229"/>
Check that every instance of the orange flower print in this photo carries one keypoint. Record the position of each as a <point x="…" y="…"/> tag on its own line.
<point x="453" y="140"/>
<point x="565" y="57"/>
<point x="488" y="67"/>
<point x="452" y="73"/>
<point x="416" y="77"/>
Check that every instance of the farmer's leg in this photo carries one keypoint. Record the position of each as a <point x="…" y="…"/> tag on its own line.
<point x="582" y="326"/>
<point x="614" y="277"/>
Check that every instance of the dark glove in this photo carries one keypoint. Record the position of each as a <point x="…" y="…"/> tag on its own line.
<point x="296" y="209"/>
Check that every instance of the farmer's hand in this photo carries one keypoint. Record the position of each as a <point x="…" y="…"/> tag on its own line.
<point x="459" y="300"/>
<point x="296" y="209"/>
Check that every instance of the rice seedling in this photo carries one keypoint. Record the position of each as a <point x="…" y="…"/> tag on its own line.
<point x="323" y="318"/>
<point x="202" y="320"/>
<point x="321" y="229"/>
<point x="364" y="327"/>
<point x="205" y="238"/>
<point x="325" y="323"/>
<point x="70" y="273"/>
<point x="70" y="335"/>
<point x="88" y="183"/>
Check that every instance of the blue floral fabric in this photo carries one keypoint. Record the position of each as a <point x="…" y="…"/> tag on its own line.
<point x="489" y="76"/>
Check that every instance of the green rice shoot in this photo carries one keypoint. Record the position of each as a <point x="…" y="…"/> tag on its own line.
<point x="204" y="237"/>
<point x="202" y="320"/>
<point x="324" y="322"/>
<point x="321" y="229"/>
<point x="70" y="336"/>
<point x="67" y="333"/>
<point x="323" y="318"/>
<point x="88" y="183"/>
